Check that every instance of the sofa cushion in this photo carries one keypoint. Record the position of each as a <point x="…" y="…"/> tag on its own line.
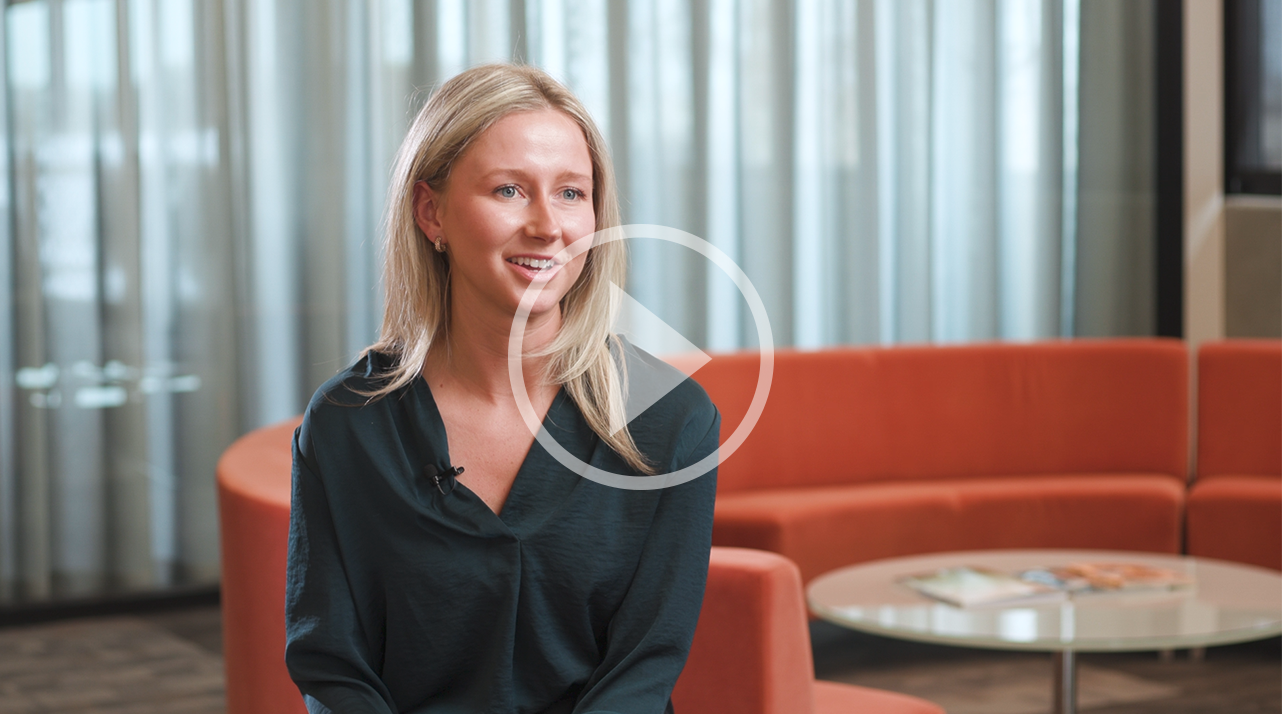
<point x="1237" y="518"/>
<point x="841" y="416"/>
<point x="825" y="528"/>
<point x="1239" y="411"/>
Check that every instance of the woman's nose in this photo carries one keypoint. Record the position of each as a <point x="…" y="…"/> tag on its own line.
<point x="542" y="221"/>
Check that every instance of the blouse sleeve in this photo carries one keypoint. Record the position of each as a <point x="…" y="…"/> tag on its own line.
<point x="649" y="637"/>
<point x="326" y="648"/>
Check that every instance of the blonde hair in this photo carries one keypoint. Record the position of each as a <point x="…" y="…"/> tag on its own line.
<point x="417" y="278"/>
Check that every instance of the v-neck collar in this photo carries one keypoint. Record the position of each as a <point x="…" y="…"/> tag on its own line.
<point x="439" y="438"/>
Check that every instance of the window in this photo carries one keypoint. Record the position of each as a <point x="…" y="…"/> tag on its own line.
<point x="1253" y="96"/>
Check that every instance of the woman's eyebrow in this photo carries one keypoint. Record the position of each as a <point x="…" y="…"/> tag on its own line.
<point x="521" y="174"/>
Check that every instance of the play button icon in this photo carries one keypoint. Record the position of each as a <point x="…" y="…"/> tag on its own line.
<point x="646" y="330"/>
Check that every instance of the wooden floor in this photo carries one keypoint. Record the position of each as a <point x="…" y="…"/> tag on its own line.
<point x="171" y="663"/>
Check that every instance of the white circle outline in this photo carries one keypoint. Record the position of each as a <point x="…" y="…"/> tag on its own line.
<point x="765" y="373"/>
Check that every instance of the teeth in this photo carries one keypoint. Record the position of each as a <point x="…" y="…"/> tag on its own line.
<point x="532" y="263"/>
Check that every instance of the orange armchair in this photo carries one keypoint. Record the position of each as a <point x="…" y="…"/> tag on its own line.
<point x="253" y="505"/>
<point x="751" y="652"/>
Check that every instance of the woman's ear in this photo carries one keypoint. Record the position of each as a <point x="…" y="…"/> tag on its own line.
<point x="426" y="203"/>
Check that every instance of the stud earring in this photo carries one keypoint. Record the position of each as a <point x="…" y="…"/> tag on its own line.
<point x="439" y="248"/>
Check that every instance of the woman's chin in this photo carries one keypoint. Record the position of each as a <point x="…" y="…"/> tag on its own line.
<point x="545" y="307"/>
<point x="547" y="300"/>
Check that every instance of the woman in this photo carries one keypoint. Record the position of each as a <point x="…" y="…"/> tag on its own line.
<point x="511" y="584"/>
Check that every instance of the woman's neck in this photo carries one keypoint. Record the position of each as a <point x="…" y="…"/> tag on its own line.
<point x="474" y="355"/>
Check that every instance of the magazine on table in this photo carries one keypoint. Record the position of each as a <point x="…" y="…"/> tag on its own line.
<point x="1084" y="578"/>
<point x="971" y="586"/>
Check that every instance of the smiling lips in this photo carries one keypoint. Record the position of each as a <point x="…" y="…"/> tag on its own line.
<point x="536" y="263"/>
<point x="535" y="268"/>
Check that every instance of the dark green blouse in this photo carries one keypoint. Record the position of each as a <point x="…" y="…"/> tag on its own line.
<point x="577" y="597"/>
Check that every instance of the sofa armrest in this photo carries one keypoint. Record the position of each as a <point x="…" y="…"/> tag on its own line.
<point x="751" y="651"/>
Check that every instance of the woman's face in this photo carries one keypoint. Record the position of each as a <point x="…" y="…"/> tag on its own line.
<point x="519" y="194"/>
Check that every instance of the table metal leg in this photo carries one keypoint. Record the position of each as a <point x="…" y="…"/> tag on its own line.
<point x="1065" y="683"/>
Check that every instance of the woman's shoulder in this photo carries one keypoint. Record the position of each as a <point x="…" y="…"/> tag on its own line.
<point x="348" y="398"/>
<point x="354" y="386"/>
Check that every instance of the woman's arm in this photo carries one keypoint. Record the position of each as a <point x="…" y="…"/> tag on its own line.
<point x="326" y="648"/>
<point x="650" y="635"/>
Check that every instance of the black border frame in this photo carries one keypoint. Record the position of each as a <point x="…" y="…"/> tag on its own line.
<point x="1169" y="178"/>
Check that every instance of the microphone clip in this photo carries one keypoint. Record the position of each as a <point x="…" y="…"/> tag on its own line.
<point x="438" y="477"/>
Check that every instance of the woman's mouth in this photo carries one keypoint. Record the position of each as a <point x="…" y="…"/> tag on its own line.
<point x="540" y="268"/>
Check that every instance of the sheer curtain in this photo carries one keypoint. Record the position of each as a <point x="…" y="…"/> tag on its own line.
<point x="118" y="333"/>
<point x="191" y="191"/>
<point x="896" y="171"/>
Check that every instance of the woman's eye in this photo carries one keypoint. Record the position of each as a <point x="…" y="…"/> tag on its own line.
<point x="507" y="191"/>
<point x="571" y="194"/>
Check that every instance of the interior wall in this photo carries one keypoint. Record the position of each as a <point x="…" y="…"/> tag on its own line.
<point x="1203" y="171"/>
<point x="1253" y="266"/>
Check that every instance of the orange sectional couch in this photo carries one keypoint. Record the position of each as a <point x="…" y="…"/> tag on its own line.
<point x="1235" y="504"/>
<point x="870" y="453"/>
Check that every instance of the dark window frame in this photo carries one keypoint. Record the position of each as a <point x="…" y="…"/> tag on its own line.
<point x="1241" y="87"/>
<point x="1169" y="169"/>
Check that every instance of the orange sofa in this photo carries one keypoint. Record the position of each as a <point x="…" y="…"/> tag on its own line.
<point x="751" y="653"/>
<point x="1235" y="504"/>
<point x="870" y="453"/>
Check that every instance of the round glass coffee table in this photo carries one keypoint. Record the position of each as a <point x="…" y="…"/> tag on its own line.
<point x="1226" y="603"/>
